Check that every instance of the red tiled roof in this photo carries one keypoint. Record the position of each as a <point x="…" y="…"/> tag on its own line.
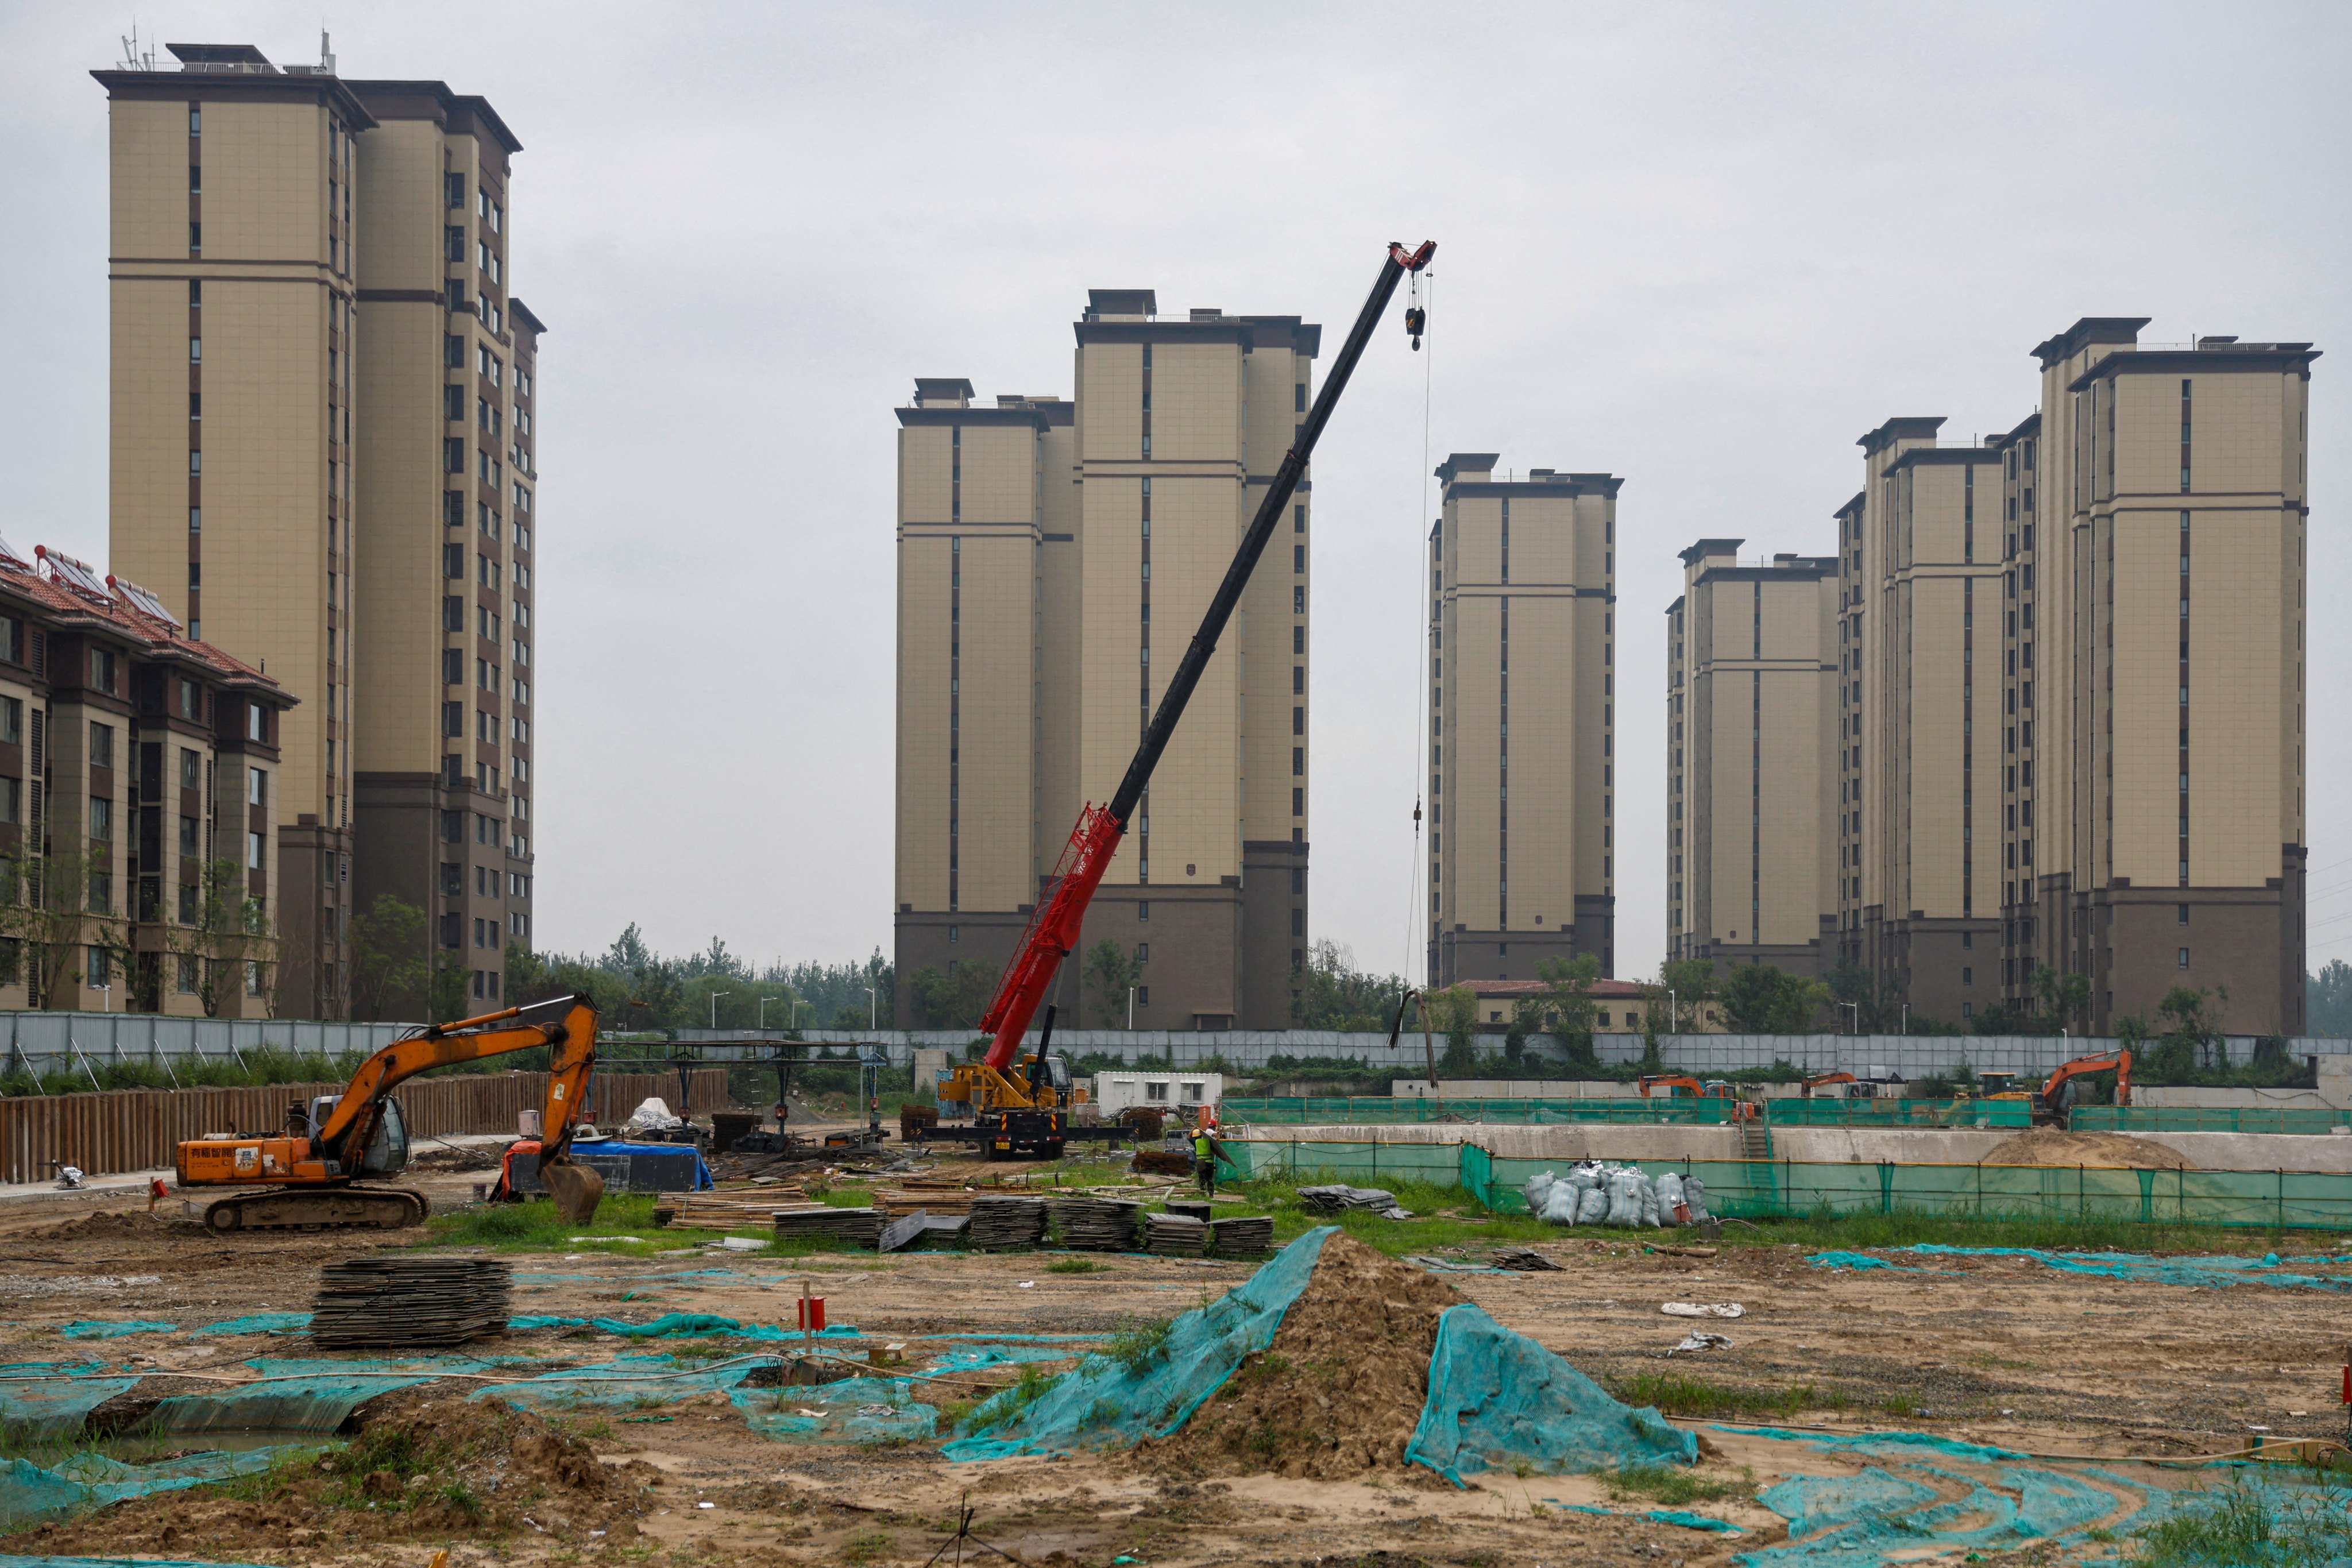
<point x="154" y="637"/>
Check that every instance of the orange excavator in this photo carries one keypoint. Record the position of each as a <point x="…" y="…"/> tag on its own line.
<point x="1822" y="1081"/>
<point x="320" y="1166"/>
<point x="2055" y="1098"/>
<point x="1675" y="1084"/>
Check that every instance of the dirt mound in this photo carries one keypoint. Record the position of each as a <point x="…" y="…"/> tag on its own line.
<point x="107" y="1227"/>
<point x="2048" y="1146"/>
<point x="1339" y="1390"/>
<point x="451" y="1158"/>
<point x="423" y="1466"/>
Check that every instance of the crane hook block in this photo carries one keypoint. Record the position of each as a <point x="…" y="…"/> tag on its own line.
<point x="1416" y="320"/>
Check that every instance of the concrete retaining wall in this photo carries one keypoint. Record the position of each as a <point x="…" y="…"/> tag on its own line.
<point x="2255" y="1099"/>
<point x="1822" y="1145"/>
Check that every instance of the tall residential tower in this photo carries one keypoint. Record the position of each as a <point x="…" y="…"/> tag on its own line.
<point x="1752" y="755"/>
<point x="322" y="458"/>
<point x="1049" y="554"/>
<point x="1522" y="603"/>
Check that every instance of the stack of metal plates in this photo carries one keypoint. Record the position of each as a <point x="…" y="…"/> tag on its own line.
<point x="1174" y="1234"/>
<point x="1241" y="1235"/>
<point x="999" y="1224"/>
<point x="1099" y="1224"/>
<point x="862" y="1227"/>
<point x="408" y="1300"/>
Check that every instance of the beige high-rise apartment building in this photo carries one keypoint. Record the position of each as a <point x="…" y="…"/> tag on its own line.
<point x="1751" y="760"/>
<point x="2160" y="838"/>
<point x="321" y="456"/>
<point x="2072" y="720"/>
<point x="1522" y="602"/>
<point x="1049" y="554"/>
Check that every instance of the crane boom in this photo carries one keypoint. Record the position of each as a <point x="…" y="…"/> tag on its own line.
<point x="1054" y="930"/>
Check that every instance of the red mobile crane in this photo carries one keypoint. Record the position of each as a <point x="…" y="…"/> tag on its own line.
<point x="1012" y="1115"/>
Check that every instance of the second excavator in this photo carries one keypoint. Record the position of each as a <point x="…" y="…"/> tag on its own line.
<point x="324" y="1167"/>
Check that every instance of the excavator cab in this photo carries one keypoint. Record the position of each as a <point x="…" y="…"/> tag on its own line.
<point x="387" y="1152"/>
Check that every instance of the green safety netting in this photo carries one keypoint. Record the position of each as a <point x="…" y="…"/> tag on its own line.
<point x="2207" y="1271"/>
<point x="40" y="1399"/>
<point x="854" y="1410"/>
<point x="1920" y="1495"/>
<point x="257" y="1324"/>
<point x="1497" y="1398"/>
<point x="1859" y="1260"/>
<point x="29" y="1492"/>
<point x="1682" y="1517"/>
<point x="1752" y="1189"/>
<point x="8" y="1560"/>
<point x="624" y="1381"/>
<point x="100" y="1329"/>
<point x="678" y="1325"/>
<point x="308" y="1402"/>
<point x="1107" y="1402"/>
<point x="2307" y="1119"/>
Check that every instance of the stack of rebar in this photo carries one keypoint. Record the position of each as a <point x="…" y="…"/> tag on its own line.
<point x="1241" y="1235"/>
<point x="1001" y="1224"/>
<point x="1174" y="1235"/>
<point x="1099" y="1224"/>
<point x="403" y="1298"/>
<point x="861" y="1226"/>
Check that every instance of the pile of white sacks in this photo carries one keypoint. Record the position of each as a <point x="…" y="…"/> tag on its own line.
<point x="1595" y="1194"/>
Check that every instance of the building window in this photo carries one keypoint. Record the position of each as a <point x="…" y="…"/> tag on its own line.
<point x="188" y="839"/>
<point x="254" y="978"/>
<point x="101" y="968"/>
<point x="257" y="787"/>
<point x="2183" y="913"/>
<point x="2184" y="958"/>
<point x="254" y="844"/>
<point x="184" y="979"/>
<point x="101" y="817"/>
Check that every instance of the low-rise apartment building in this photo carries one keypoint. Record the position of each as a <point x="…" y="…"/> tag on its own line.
<point x="138" y="796"/>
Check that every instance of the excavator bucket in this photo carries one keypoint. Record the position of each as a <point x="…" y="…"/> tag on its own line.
<point x="576" y="1189"/>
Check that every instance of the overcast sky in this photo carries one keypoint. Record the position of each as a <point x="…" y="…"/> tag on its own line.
<point x="1703" y="248"/>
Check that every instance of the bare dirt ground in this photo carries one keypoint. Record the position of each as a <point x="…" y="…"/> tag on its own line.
<point x="2002" y="1351"/>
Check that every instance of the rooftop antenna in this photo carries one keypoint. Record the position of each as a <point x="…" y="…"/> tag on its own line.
<point x="326" y="53"/>
<point x="132" y="60"/>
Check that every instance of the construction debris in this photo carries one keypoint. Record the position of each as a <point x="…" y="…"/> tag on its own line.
<point x="408" y="1300"/>
<point x="860" y="1226"/>
<point x="1340" y="1197"/>
<point x="1241" y="1235"/>
<point x="1099" y="1224"/>
<point x="1699" y="1340"/>
<point x="1174" y="1235"/>
<point x="1523" y="1260"/>
<point x="1001" y="1224"/>
<point x="1699" y="1310"/>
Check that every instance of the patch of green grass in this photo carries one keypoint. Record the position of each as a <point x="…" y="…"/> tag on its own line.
<point x="1676" y="1395"/>
<point x="1675" y="1484"/>
<point x="1073" y="1265"/>
<point x="2270" y="1524"/>
<point x="1137" y="1346"/>
<point x="866" y="1547"/>
<point x="1007" y="1403"/>
<point x="535" y="1226"/>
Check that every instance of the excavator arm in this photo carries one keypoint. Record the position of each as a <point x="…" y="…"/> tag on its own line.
<point x="2119" y="1064"/>
<point x="571" y="1039"/>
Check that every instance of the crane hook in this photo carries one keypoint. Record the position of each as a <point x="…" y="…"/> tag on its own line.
<point x="1416" y="315"/>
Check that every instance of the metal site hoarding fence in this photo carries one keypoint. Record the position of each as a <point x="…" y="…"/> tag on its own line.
<point x="139" y="1128"/>
<point x="1754" y="1189"/>
<point x="1682" y="1110"/>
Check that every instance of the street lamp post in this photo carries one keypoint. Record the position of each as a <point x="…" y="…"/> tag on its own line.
<point x="1906" y="1017"/>
<point x="796" y="1012"/>
<point x="715" y="996"/>
<point x="763" y="1010"/>
<point x="1674" y="1013"/>
<point x="1854" y="1008"/>
<point x="873" y="1010"/>
<point x="1130" y="1009"/>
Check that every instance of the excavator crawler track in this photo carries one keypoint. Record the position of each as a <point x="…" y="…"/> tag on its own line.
<point x="326" y="1208"/>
